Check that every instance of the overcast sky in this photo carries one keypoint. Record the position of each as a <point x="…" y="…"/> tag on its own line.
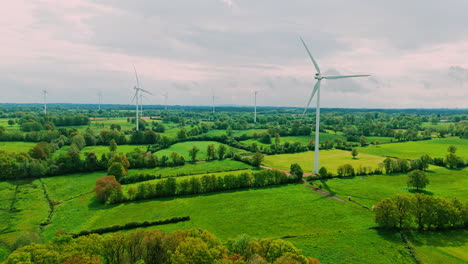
<point x="416" y="51"/>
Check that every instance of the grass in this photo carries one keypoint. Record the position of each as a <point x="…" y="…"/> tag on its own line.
<point x="441" y="247"/>
<point x="22" y="213"/>
<point x="288" y="210"/>
<point x="354" y="246"/>
<point x="184" y="147"/>
<point x="368" y="190"/>
<point x="236" y="172"/>
<point x="331" y="159"/>
<point x="194" y="168"/>
<point x="304" y="140"/>
<point x="415" y="149"/>
<point x="16" y="146"/>
<point x="64" y="187"/>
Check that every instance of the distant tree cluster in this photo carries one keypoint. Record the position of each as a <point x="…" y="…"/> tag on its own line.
<point x="425" y="212"/>
<point x="156" y="246"/>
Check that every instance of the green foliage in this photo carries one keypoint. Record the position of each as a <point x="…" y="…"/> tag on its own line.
<point x="296" y="170"/>
<point x="257" y="159"/>
<point x="417" y="179"/>
<point x="420" y="210"/>
<point x="105" y="187"/>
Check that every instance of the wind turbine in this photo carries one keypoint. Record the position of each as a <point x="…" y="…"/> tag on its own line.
<point x="100" y="99"/>
<point x="255" y="105"/>
<point x="213" y="97"/>
<point x="165" y="94"/>
<point x="45" y="101"/>
<point x="319" y="77"/>
<point x="136" y="97"/>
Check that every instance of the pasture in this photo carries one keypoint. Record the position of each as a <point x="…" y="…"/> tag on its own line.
<point x="331" y="159"/>
<point x="368" y="190"/>
<point x="16" y="146"/>
<point x="415" y="149"/>
<point x="184" y="147"/>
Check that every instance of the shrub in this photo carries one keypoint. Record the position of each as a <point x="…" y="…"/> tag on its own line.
<point x="105" y="186"/>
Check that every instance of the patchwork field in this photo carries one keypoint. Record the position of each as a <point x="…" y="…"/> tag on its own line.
<point x="184" y="147"/>
<point x="415" y="149"/>
<point x="368" y="190"/>
<point x="331" y="159"/>
<point x="16" y="146"/>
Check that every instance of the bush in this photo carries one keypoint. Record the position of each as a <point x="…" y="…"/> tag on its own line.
<point x="296" y="171"/>
<point x="105" y="186"/>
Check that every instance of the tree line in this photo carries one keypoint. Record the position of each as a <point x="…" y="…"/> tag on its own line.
<point x="421" y="211"/>
<point x="156" y="246"/>
<point x="109" y="191"/>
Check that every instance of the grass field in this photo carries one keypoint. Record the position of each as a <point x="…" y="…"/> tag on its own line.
<point x="304" y="140"/>
<point x="331" y="159"/>
<point x="16" y="146"/>
<point x="23" y="209"/>
<point x="415" y="149"/>
<point x="184" y="147"/>
<point x="194" y="168"/>
<point x="368" y="190"/>
<point x="179" y="178"/>
<point x="441" y="247"/>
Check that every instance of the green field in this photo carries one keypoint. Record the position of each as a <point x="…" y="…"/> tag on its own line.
<point x="441" y="247"/>
<point x="331" y="159"/>
<point x="415" y="149"/>
<point x="194" y="168"/>
<point x="184" y="147"/>
<point x="368" y="190"/>
<point x="16" y="146"/>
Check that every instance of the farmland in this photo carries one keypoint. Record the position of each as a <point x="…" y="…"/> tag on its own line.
<point x="334" y="224"/>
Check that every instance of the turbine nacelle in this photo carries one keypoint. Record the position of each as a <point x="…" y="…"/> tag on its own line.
<point x="318" y="76"/>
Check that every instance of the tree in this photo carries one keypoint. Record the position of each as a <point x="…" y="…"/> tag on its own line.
<point x="296" y="170"/>
<point x="425" y="160"/>
<point x="11" y="122"/>
<point x="222" y="151"/>
<point x="257" y="159"/>
<point x="182" y="134"/>
<point x="112" y="146"/>
<point x="117" y="169"/>
<point x="277" y="139"/>
<point x="453" y="161"/>
<point x="323" y="172"/>
<point x="193" y="153"/>
<point x="385" y="213"/>
<point x="105" y="186"/>
<point x="354" y="153"/>
<point x="417" y="179"/>
<point x="211" y="152"/>
<point x="452" y="149"/>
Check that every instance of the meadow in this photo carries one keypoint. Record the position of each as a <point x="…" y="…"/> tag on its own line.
<point x="184" y="147"/>
<point x="415" y="149"/>
<point x="331" y="159"/>
<point x="368" y="190"/>
<point x="16" y="146"/>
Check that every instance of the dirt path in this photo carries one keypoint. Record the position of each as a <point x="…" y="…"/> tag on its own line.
<point x="323" y="193"/>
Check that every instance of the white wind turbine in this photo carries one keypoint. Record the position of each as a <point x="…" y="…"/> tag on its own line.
<point x="45" y="101"/>
<point x="137" y="97"/>
<point x="213" y="97"/>
<point x="255" y="105"/>
<point x="165" y="94"/>
<point x="100" y="99"/>
<point x="316" y="89"/>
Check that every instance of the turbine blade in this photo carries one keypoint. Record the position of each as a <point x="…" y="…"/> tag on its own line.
<point x="311" y="57"/>
<point x="316" y="87"/>
<point x="343" y="76"/>
<point x="136" y="75"/>
<point x="145" y="91"/>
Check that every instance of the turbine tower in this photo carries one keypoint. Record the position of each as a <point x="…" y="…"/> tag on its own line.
<point x="45" y="101"/>
<point x="100" y="99"/>
<point x="255" y="105"/>
<point x="213" y="100"/>
<point x="165" y="94"/>
<point x="137" y="97"/>
<point x="319" y="77"/>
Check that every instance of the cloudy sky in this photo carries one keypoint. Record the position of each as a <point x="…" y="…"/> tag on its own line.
<point x="416" y="51"/>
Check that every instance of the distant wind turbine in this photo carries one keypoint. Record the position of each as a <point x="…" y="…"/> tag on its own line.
<point x="319" y="78"/>
<point x="165" y="94"/>
<point x="213" y="97"/>
<point x="255" y="105"/>
<point x="100" y="99"/>
<point x="45" y="101"/>
<point x="137" y="97"/>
